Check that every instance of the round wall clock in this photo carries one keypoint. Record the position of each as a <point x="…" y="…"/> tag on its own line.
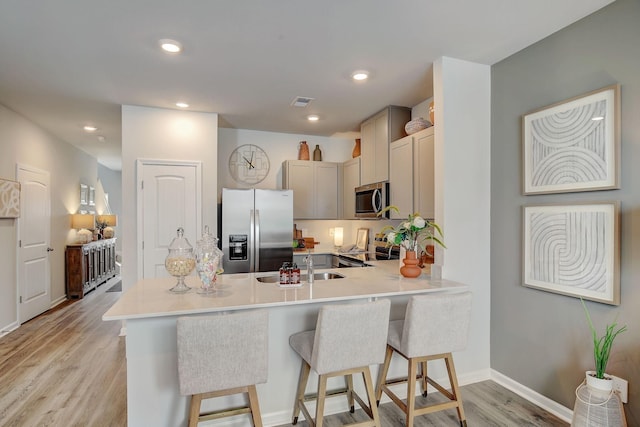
<point x="248" y="164"/>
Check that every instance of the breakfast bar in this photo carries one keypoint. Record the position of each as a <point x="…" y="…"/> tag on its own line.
<point x="151" y="311"/>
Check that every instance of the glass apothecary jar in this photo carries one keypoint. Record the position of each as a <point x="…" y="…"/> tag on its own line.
<point x="208" y="261"/>
<point x="180" y="261"/>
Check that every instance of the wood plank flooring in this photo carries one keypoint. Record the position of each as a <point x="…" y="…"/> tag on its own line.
<point x="67" y="368"/>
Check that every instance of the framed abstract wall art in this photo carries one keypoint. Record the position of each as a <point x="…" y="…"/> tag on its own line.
<point x="573" y="250"/>
<point x="573" y="145"/>
<point x="9" y="199"/>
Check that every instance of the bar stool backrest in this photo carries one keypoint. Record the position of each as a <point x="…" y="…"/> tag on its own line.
<point x="350" y="335"/>
<point x="222" y="351"/>
<point x="436" y="324"/>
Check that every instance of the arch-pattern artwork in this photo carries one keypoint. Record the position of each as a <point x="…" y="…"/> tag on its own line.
<point x="9" y="199"/>
<point x="573" y="249"/>
<point x="573" y="146"/>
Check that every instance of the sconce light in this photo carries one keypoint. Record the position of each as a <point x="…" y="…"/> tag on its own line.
<point x="83" y="223"/>
<point x="338" y="237"/>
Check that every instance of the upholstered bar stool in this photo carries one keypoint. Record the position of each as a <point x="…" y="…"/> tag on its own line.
<point x="434" y="326"/>
<point x="221" y="355"/>
<point x="347" y="339"/>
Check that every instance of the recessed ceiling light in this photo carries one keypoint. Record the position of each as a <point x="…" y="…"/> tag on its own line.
<point x="313" y="118"/>
<point x="597" y="118"/>
<point x="182" y="104"/>
<point x="171" y="46"/>
<point x="90" y="128"/>
<point x="360" y="75"/>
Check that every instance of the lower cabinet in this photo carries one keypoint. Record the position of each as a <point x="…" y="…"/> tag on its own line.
<point x="89" y="265"/>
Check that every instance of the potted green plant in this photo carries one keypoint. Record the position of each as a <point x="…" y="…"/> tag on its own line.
<point x="602" y="345"/>
<point x="413" y="234"/>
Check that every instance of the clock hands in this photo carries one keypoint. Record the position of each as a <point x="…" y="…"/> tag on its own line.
<point x="249" y="162"/>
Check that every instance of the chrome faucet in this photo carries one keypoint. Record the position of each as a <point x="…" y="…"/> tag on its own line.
<point x="309" y="261"/>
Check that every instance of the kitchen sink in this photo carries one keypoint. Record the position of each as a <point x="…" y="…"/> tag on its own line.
<point x="303" y="277"/>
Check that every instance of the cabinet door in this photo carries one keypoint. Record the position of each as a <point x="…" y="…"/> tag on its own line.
<point x="367" y="152"/>
<point x="350" y="180"/>
<point x="326" y="190"/>
<point x="401" y="177"/>
<point x="299" y="178"/>
<point x="424" y="181"/>
<point x="381" y="147"/>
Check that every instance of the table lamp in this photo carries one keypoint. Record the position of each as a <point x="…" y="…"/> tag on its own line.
<point x="338" y="237"/>
<point x="82" y="223"/>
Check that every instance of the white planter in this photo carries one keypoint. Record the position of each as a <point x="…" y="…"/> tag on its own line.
<point x="598" y="384"/>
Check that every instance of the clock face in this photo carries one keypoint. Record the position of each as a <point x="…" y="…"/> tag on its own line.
<point x="249" y="164"/>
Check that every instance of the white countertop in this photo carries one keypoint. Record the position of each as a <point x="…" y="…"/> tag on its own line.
<point x="151" y="297"/>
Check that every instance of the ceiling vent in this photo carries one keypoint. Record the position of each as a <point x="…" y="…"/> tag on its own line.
<point x="301" y="101"/>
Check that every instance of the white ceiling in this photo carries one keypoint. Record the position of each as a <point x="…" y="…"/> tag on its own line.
<point x="67" y="63"/>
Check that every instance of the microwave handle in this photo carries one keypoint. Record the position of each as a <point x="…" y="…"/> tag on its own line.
<point x="376" y="200"/>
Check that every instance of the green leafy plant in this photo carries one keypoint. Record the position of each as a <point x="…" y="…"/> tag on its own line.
<point x="602" y="345"/>
<point x="414" y="233"/>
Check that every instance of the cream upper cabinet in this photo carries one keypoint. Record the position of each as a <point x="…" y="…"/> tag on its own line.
<point x="315" y="188"/>
<point x="411" y="177"/>
<point x="351" y="180"/>
<point x="401" y="177"/>
<point x="376" y="133"/>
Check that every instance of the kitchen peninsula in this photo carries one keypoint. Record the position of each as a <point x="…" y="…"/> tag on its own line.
<point x="150" y="311"/>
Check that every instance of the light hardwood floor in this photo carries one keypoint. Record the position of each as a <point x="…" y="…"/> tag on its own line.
<point x="67" y="368"/>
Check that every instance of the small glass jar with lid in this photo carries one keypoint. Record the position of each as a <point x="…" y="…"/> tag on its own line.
<point x="180" y="261"/>
<point x="208" y="261"/>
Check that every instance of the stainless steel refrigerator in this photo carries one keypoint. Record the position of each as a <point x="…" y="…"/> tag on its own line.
<point x="257" y="229"/>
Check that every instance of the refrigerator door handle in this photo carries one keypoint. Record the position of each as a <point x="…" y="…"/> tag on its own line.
<point x="256" y="246"/>
<point x="251" y="240"/>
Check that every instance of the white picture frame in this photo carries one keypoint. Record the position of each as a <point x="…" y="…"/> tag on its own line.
<point x="573" y="145"/>
<point x="84" y="194"/>
<point x="92" y="196"/>
<point x="573" y="250"/>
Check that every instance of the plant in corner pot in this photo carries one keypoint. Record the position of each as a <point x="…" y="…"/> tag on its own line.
<point x="598" y="379"/>
<point x="413" y="234"/>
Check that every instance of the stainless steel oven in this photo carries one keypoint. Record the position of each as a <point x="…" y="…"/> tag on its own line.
<point x="372" y="199"/>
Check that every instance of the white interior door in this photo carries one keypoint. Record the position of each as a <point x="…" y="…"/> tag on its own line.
<point x="169" y="197"/>
<point x="34" y="273"/>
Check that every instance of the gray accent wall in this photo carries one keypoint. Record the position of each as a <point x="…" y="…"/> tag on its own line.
<point x="540" y="339"/>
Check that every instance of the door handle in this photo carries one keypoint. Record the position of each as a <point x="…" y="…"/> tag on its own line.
<point x="49" y="249"/>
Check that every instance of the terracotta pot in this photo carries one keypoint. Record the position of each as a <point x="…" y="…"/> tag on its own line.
<point x="303" y="151"/>
<point x="410" y="268"/>
<point x="356" y="149"/>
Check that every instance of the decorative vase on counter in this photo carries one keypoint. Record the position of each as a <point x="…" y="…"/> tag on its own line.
<point x="303" y="151"/>
<point x="180" y="261"/>
<point x="356" y="149"/>
<point x="416" y="125"/>
<point x="208" y="261"/>
<point x="410" y="268"/>
<point x="317" y="154"/>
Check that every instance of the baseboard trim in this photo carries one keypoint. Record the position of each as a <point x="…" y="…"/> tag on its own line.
<point x="9" y="328"/>
<point x="58" y="301"/>
<point x="532" y="396"/>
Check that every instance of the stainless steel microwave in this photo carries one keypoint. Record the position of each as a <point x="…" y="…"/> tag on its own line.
<point x="372" y="199"/>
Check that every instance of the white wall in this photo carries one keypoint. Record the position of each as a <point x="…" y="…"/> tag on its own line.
<point x="156" y="133"/>
<point x="279" y="147"/>
<point x="24" y="142"/>
<point x="462" y="95"/>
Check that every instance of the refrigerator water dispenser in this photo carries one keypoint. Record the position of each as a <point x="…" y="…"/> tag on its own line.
<point x="237" y="247"/>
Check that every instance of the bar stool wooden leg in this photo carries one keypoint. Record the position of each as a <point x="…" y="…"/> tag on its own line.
<point x="411" y="391"/>
<point x="349" y="379"/>
<point x="424" y="378"/>
<point x="194" y="409"/>
<point x="368" y="382"/>
<point x="322" y="393"/>
<point x="455" y="390"/>
<point x="254" y="405"/>
<point x="382" y="374"/>
<point x="302" y="385"/>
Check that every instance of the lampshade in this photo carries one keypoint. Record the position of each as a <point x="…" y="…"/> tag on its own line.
<point x="79" y="221"/>
<point x="338" y="236"/>
<point x="110" y="220"/>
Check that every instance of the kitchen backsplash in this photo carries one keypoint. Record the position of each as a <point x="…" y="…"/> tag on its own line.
<point x="321" y="229"/>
